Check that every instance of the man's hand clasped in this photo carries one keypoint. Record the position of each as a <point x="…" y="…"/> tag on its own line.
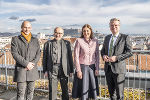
<point x="30" y="66"/>
<point x="110" y="59"/>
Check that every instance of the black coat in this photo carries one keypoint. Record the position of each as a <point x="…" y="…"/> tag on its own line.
<point x="66" y="59"/>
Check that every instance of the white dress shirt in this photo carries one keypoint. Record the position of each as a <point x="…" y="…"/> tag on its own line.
<point x="114" y="38"/>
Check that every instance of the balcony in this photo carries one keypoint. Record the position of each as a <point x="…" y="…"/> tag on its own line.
<point x="137" y="84"/>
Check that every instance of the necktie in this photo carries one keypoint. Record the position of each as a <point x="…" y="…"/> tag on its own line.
<point x="111" y="46"/>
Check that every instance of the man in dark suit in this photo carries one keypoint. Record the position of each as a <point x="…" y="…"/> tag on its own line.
<point x="25" y="49"/>
<point x="58" y="63"/>
<point x="116" y="48"/>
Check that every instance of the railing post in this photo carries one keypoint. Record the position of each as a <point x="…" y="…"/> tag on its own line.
<point x="137" y="64"/>
<point x="5" y="70"/>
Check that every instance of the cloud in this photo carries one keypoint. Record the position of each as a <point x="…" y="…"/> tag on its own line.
<point x="14" y="18"/>
<point x="67" y="13"/>
<point x="46" y="28"/>
<point x="35" y="2"/>
<point x="30" y="20"/>
<point x="74" y="26"/>
<point x="10" y="28"/>
<point x="143" y="24"/>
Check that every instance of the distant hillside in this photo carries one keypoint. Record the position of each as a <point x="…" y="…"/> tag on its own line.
<point x="5" y="34"/>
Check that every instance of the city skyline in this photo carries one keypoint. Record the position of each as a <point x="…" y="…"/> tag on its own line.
<point x="47" y="14"/>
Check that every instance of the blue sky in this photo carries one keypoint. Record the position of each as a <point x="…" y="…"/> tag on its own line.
<point x="45" y="15"/>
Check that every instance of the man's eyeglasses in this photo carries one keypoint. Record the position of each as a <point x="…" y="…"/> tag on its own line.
<point x="58" y="33"/>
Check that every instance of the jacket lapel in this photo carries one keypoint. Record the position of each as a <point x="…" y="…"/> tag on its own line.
<point x="117" y="41"/>
<point x="52" y="49"/>
<point x="107" y="43"/>
<point x="64" y="57"/>
<point x="63" y="44"/>
<point x="23" y="39"/>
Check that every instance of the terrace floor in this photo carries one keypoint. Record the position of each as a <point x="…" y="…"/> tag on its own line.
<point x="11" y="95"/>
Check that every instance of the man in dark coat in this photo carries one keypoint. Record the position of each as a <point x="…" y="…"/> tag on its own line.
<point x="58" y="63"/>
<point x="25" y="49"/>
<point x="116" y="48"/>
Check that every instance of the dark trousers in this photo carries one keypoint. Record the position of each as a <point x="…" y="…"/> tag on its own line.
<point x="54" y="77"/>
<point x="115" y="84"/>
<point x="27" y="87"/>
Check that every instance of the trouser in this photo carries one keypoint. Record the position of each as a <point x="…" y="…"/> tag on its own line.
<point x="58" y="75"/>
<point x="25" y="87"/>
<point x="89" y="83"/>
<point x="115" y="84"/>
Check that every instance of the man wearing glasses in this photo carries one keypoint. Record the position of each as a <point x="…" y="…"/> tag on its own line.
<point x="57" y="63"/>
<point x="116" y="49"/>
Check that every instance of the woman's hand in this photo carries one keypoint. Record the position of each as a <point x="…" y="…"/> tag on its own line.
<point x="79" y="74"/>
<point x="96" y="72"/>
<point x="46" y="74"/>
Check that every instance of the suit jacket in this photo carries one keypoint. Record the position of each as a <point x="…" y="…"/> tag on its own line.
<point x="24" y="53"/>
<point x="122" y="49"/>
<point x="66" y="59"/>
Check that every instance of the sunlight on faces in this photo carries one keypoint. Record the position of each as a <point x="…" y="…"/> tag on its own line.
<point x="58" y="33"/>
<point x="114" y="27"/>
<point x="86" y="33"/>
<point x="26" y="27"/>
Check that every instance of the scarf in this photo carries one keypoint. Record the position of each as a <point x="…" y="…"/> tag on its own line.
<point x="27" y="37"/>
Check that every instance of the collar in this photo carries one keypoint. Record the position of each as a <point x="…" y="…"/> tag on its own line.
<point x="87" y="41"/>
<point x="116" y="35"/>
<point x="58" y="40"/>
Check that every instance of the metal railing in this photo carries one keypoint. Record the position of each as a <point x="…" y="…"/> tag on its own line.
<point x="137" y="79"/>
<point x="137" y="76"/>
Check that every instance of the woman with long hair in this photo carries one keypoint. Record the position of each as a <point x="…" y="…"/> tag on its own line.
<point x="86" y="56"/>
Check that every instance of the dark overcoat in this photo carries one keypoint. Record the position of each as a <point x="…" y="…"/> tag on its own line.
<point x="23" y="53"/>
